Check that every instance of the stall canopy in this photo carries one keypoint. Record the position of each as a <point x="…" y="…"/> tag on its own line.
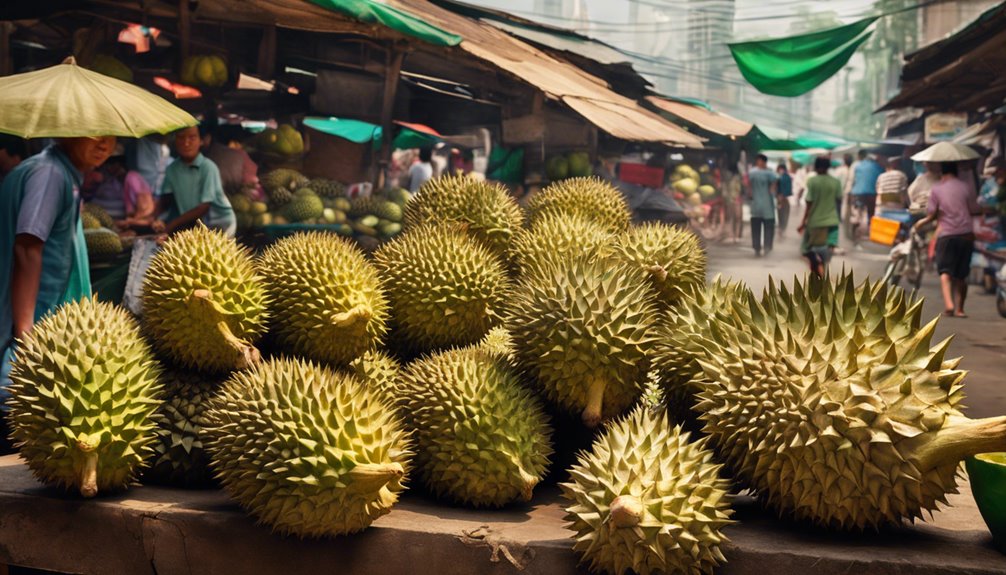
<point x="963" y="72"/>
<point x="703" y="118"/>
<point x="377" y="13"/>
<point x="769" y="138"/>
<point x="359" y="132"/>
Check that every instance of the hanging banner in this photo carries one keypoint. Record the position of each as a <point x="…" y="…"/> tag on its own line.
<point x="944" y="127"/>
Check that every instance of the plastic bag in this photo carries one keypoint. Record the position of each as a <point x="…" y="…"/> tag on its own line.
<point x="144" y="250"/>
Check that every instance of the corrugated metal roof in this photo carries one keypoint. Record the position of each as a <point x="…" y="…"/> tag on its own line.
<point x="707" y="120"/>
<point x="590" y="96"/>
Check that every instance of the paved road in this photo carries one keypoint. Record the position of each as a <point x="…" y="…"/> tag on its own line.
<point x="980" y="339"/>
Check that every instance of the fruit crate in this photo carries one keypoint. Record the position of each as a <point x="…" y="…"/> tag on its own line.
<point x="884" y="231"/>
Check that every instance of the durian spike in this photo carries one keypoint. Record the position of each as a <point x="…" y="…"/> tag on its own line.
<point x="358" y="315"/>
<point x="202" y="301"/>
<point x="960" y="437"/>
<point x="657" y="271"/>
<point x="89" y="472"/>
<point x="626" y="511"/>
<point x="595" y="397"/>
<point x="370" y="477"/>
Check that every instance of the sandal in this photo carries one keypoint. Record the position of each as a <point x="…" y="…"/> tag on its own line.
<point x="948" y="313"/>
<point x="961" y="314"/>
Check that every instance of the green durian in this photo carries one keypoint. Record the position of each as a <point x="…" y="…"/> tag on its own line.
<point x="279" y="184"/>
<point x="327" y="188"/>
<point x="834" y="408"/>
<point x="499" y="343"/>
<point x="326" y="300"/>
<point x="180" y="456"/>
<point x="556" y="236"/>
<point x="83" y="394"/>
<point x="582" y="329"/>
<point x="102" y="242"/>
<point x="306" y="450"/>
<point x="203" y="304"/>
<point x="377" y="370"/>
<point x="590" y="198"/>
<point x="388" y="210"/>
<point x="303" y="206"/>
<point x="489" y="211"/>
<point x="446" y="289"/>
<point x="89" y="221"/>
<point x="672" y="256"/>
<point x="99" y="213"/>
<point x="646" y="500"/>
<point x="482" y="439"/>
<point x="363" y="206"/>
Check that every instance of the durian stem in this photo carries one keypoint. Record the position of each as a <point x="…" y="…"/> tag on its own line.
<point x="658" y="272"/>
<point x="366" y="477"/>
<point x="595" y="397"/>
<point x="528" y="483"/>
<point x="89" y="472"/>
<point x="201" y="301"/>
<point x="960" y="437"/>
<point x="626" y="511"/>
<point x="351" y="317"/>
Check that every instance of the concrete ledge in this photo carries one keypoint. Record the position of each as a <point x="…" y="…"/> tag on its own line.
<point x="172" y="532"/>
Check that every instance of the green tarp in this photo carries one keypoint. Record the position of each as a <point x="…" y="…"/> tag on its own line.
<point x="795" y="65"/>
<point x="769" y="138"/>
<point x="362" y="132"/>
<point x="373" y="12"/>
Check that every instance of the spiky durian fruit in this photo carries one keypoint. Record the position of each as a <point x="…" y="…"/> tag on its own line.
<point x="832" y="406"/>
<point x="203" y="303"/>
<point x="499" y="344"/>
<point x="377" y="370"/>
<point x="280" y="184"/>
<point x="702" y="312"/>
<point x="83" y="393"/>
<point x="488" y="209"/>
<point x="590" y="198"/>
<point x="305" y="205"/>
<point x="102" y="242"/>
<point x="98" y="213"/>
<point x="481" y="438"/>
<point x="306" y="450"/>
<point x="672" y="256"/>
<point x="446" y="289"/>
<point x="89" y="220"/>
<point x="180" y="457"/>
<point x="646" y="499"/>
<point x="327" y="188"/>
<point x="583" y="328"/>
<point x="555" y="236"/>
<point x="326" y="301"/>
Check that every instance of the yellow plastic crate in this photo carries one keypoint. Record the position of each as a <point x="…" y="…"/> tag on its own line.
<point x="883" y="230"/>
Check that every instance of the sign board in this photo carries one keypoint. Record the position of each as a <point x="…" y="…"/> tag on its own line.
<point x="943" y="127"/>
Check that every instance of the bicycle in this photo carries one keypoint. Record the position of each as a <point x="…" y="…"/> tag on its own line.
<point x="907" y="261"/>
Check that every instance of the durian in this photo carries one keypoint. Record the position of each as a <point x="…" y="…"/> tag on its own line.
<point x="280" y="184"/>
<point x="89" y="221"/>
<point x="327" y="188"/>
<point x="203" y="303"/>
<point x="308" y="451"/>
<point x="491" y="214"/>
<point x="499" y="344"/>
<point x="583" y="328"/>
<point x="647" y="500"/>
<point x="556" y="236"/>
<point x="832" y="406"/>
<point x="672" y="256"/>
<point x="305" y="205"/>
<point x="99" y="213"/>
<point x="590" y="198"/>
<point x="83" y="394"/>
<point x="102" y="242"/>
<point x="326" y="300"/>
<point x="481" y="438"/>
<point x="180" y="456"/>
<point x="446" y="289"/>
<point x="377" y="370"/>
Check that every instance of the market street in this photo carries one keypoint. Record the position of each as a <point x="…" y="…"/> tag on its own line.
<point x="980" y="339"/>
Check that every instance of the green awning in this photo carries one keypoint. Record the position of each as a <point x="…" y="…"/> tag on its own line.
<point x="361" y="132"/>
<point x="769" y="138"/>
<point x="795" y="65"/>
<point x="373" y="12"/>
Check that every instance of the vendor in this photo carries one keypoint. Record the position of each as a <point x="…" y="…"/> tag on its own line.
<point x="192" y="190"/>
<point x="42" y="249"/>
<point x="225" y="147"/>
<point x="123" y="194"/>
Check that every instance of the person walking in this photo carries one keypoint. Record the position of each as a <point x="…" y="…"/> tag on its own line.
<point x="919" y="190"/>
<point x="784" y="193"/>
<point x="421" y="171"/>
<point x="820" y="219"/>
<point x="763" y="188"/>
<point x="864" y="193"/>
<point x="892" y="186"/>
<point x="952" y="203"/>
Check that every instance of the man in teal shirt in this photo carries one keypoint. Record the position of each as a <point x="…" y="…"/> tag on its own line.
<point x="42" y="251"/>
<point x="763" y="186"/>
<point x="192" y="190"/>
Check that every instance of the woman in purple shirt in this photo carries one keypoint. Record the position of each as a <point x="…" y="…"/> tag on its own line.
<point x="952" y="203"/>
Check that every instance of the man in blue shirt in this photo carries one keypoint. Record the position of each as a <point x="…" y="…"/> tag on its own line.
<point x="763" y="190"/>
<point x="43" y="256"/>
<point x="193" y="190"/>
<point x="864" y="183"/>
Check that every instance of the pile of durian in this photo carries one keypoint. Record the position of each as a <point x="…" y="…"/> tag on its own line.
<point x="314" y="382"/>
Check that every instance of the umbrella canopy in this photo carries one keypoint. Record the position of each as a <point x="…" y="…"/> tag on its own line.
<point x="946" y="152"/>
<point x="66" y="101"/>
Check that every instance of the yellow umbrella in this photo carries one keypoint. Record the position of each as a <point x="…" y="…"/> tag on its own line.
<point x="66" y="101"/>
